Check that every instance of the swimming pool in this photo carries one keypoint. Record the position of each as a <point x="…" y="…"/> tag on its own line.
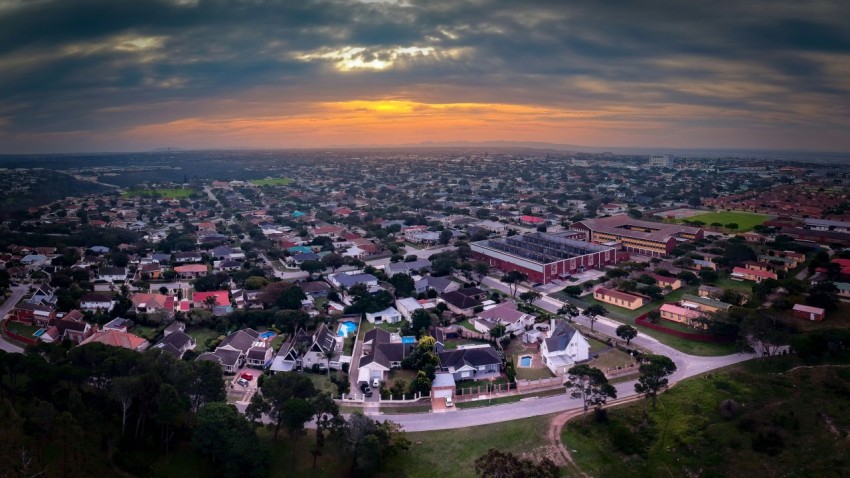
<point x="267" y="335"/>
<point x="525" y="361"/>
<point x="346" y="328"/>
<point x="39" y="332"/>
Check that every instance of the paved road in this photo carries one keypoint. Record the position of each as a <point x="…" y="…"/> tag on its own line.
<point x="17" y="293"/>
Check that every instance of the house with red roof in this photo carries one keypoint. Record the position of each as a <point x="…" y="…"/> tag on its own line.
<point x="191" y="271"/>
<point x="217" y="301"/>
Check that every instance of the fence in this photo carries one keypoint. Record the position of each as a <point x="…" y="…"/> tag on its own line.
<point x="498" y="388"/>
<point x="641" y="320"/>
<point x="543" y="383"/>
<point x="19" y="338"/>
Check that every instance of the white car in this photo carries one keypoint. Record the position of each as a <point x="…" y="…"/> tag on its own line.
<point x="376" y="383"/>
<point x="449" y="402"/>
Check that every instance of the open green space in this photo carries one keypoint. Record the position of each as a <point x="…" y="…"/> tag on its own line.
<point x="692" y="347"/>
<point x="323" y="383"/>
<point x="622" y="313"/>
<point x="612" y="359"/>
<point x="779" y="422"/>
<point x="272" y="182"/>
<point x="146" y="331"/>
<point x="527" y="373"/>
<point x="201" y="335"/>
<point x="171" y="193"/>
<point x="22" y="329"/>
<point x="746" y="221"/>
<point x="835" y="319"/>
<point x="452" y="453"/>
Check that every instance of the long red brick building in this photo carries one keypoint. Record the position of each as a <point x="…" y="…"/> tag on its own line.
<point x="543" y="257"/>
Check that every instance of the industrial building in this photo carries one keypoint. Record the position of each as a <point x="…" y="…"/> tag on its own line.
<point x="643" y="237"/>
<point x="543" y="257"/>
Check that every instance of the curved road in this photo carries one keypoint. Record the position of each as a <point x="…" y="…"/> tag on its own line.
<point x="687" y="366"/>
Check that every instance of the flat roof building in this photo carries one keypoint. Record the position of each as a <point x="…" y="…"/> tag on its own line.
<point x="543" y="257"/>
<point x="642" y="237"/>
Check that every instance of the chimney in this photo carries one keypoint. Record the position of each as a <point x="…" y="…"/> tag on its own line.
<point x="551" y="326"/>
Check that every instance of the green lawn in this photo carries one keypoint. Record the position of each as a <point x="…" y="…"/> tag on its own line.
<point x="174" y="193"/>
<point x="525" y="373"/>
<point x="622" y="313"/>
<point x="510" y="399"/>
<point x="272" y="182"/>
<point x="612" y="359"/>
<point x="786" y="424"/>
<point x="323" y="383"/>
<point x="746" y="221"/>
<point x="452" y="453"/>
<point x="692" y="347"/>
<point x="738" y="285"/>
<point x="145" y="331"/>
<point x="201" y="335"/>
<point x="24" y="330"/>
<point x="466" y="325"/>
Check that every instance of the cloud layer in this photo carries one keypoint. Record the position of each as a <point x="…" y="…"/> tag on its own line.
<point x="128" y="75"/>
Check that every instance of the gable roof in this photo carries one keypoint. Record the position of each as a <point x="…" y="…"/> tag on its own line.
<point x="561" y="336"/>
<point x="473" y="357"/>
<point x="459" y="300"/>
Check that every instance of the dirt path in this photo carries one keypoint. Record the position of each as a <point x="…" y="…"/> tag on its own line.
<point x="565" y="459"/>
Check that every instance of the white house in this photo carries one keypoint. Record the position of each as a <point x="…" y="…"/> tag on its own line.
<point x="96" y="301"/>
<point x="407" y="306"/>
<point x="505" y="314"/>
<point x="564" y="347"/>
<point x="388" y="315"/>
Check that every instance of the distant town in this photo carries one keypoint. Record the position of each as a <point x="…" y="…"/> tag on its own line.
<point x="395" y="294"/>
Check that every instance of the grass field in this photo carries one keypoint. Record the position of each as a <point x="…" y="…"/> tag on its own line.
<point x="24" y="330"/>
<point x="201" y="336"/>
<point x="272" y="182"/>
<point x="176" y="193"/>
<point x="746" y="221"/>
<point x="785" y="424"/>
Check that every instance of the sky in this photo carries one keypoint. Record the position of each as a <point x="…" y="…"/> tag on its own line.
<point x="136" y="75"/>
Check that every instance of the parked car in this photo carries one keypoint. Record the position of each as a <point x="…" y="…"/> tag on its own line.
<point x="376" y="383"/>
<point x="368" y="391"/>
<point x="449" y="402"/>
<point x="242" y="382"/>
<point x="247" y="376"/>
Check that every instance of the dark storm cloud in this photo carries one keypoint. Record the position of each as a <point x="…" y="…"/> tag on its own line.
<point x="65" y="69"/>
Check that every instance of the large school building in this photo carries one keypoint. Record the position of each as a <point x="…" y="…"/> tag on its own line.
<point x="543" y="257"/>
<point x="642" y="237"/>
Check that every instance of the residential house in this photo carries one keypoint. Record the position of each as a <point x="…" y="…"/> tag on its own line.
<point x="231" y="353"/>
<point x="388" y="315"/>
<point x="153" y="304"/>
<point x="506" y="314"/>
<point x="460" y="303"/>
<point x="440" y="285"/>
<point x="351" y="279"/>
<point x="43" y="294"/>
<point x="407" y="306"/>
<point x="325" y="346"/>
<point x="97" y="301"/>
<point x="563" y="347"/>
<point x="289" y="357"/>
<point x="476" y="362"/>
<point x="187" y="257"/>
<point x="176" y="342"/>
<point x="442" y="390"/>
<point x="409" y="268"/>
<point x="112" y="274"/>
<point x="119" y="324"/>
<point x="116" y="338"/>
<point x="315" y="289"/>
<point x="618" y="298"/>
<point x="36" y="314"/>
<point x="70" y="327"/>
<point x="191" y="271"/>
<point x="218" y="302"/>
<point x="382" y="351"/>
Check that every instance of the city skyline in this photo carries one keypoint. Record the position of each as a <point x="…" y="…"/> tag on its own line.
<point x="120" y="76"/>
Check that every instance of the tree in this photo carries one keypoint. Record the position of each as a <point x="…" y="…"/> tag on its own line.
<point x="497" y="464"/>
<point x="283" y="295"/>
<point x="572" y="290"/>
<point x="210" y="302"/>
<point x="256" y="282"/>
<point x="279" y="389"/>
<point x="311" y="267"/>
<point x="593" y="312"/>
<point x="653" y="375"/>
<point x="420" y="322"/>
<point x="223" y="434"/>
<point x="513" y="279"/>
<point x="445" y="236"/>
<point x="370" y="442"/>
<point x="168" y="411"/>
<point x="403" y="284"/>
<point x="333" y="261"/>
<point x="124" y="390"/>
<point x="824" y="294"/>
<point x="497" y="331"/>
<point x="530" y="296"/>
<point x="732" y="226"/>
<point x="481" y="269"/>
<point x="627" y="333"/>
<point x="589" y="385"/>
<point x="569" y="311"/>
<point x="296" y="413"/>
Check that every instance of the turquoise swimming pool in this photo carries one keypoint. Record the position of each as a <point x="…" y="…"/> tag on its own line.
<point x="525" y="361"/>
<point x="346" y="328"/>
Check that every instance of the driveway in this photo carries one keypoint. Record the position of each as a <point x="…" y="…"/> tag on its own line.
<point x="17" y="293"/>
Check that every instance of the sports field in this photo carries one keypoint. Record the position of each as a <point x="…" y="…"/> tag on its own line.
<point x="272" y="182"/>
<point x="176" y="193"/>
<point x="746" y="221"/>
